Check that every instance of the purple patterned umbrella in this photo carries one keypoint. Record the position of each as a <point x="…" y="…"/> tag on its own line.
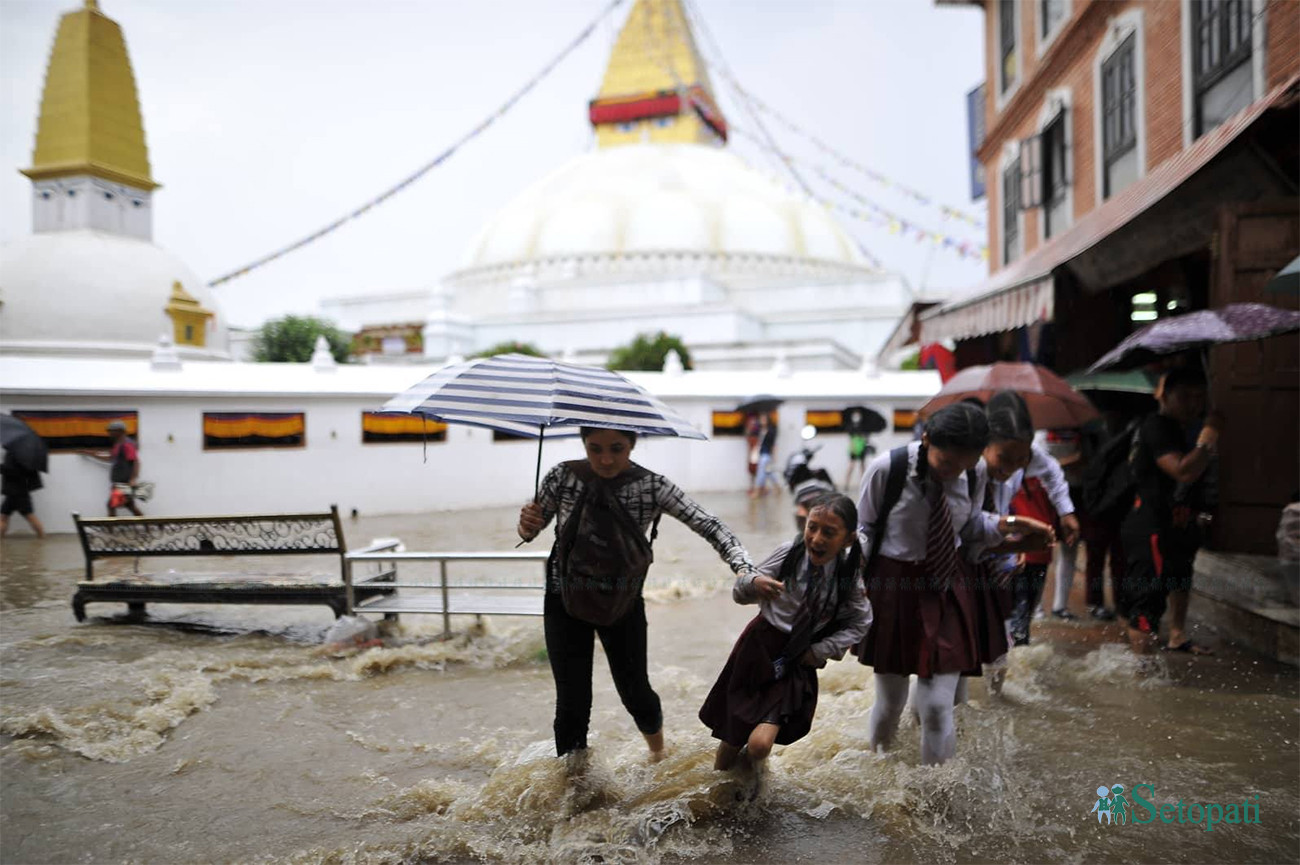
<point x="1236" y="322"/>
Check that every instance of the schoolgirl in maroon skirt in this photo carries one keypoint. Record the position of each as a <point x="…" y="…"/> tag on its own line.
<point x="933" y="618"/>
<point x="811" y="608"/>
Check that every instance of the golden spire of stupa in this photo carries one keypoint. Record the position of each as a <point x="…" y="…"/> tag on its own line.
<point x="656" y="86"/>
<point x="90" y="113"/>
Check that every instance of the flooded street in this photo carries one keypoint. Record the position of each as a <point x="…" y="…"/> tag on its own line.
<point x="226" y="734"/>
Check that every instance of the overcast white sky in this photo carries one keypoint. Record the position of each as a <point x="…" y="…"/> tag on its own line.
<point x="265" y="119"/>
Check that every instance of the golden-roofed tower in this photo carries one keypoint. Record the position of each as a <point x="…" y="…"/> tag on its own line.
<point x="89" y="281"/>
<point x="90" y="139"/>
<point x="656" y="87"/>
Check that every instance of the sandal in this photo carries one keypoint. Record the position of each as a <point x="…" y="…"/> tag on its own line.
<point x="1190" y="648"/>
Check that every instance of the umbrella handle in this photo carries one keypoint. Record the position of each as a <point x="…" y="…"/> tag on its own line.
<point x="537" y="475"/>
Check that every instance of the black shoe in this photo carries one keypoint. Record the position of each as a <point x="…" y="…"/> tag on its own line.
<point x="1019" y="640"/>
<point x="1102" y="614"/>
<point x="1064" y="615"/>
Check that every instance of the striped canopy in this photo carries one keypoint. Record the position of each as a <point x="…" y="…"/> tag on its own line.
<point x="536" y="397"/>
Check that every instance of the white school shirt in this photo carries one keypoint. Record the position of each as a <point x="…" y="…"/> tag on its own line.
<point x="853" y="612"/>
<point x="1048" y="471"/>
<point x="909" y="521"/>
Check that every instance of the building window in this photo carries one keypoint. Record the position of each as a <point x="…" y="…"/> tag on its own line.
<point x="1050" y="15"/>
<point x="728" y="423"/>
<point x="825" y="421"/>
<point x="1056" y="176"/>
<point x="242" y="430"/>
<point x="1007" y="45"/>
<point x="904" y="419"/>
<point x="72" y="430"/>
<point x="1222" y="75"/>
<point x="379" y="427"/>
<point x="1119" y="118"/>
<point x="1011" y="212"/>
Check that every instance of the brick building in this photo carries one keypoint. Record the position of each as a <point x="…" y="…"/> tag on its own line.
<point x="1141" y="160"/>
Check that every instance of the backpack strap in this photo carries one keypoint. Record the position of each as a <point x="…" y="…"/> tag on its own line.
<point x="894" y="483"/>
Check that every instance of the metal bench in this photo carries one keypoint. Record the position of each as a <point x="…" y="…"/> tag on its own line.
<point x="252" y="537"/>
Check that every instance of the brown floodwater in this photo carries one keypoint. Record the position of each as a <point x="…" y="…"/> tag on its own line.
<point x="225" y="734"/>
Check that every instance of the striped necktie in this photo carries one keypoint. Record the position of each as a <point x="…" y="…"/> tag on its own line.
<point x="940" y="545"/>
<point x="805" y="618"/>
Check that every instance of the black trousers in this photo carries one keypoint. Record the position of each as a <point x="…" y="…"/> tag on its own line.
<point x="570" y="645"/>
<point x="1027" y="591"/>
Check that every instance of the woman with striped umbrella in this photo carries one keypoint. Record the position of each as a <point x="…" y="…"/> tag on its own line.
<point x="603" y="506"/>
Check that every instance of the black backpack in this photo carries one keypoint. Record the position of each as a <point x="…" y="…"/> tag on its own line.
<point x="894" y="482"/>
<point x="1108" y="480"/>
<point x="602" y="554"/>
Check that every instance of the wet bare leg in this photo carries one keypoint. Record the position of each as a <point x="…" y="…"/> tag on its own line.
<point x="726" y="756"/>
<point x="4" y="525"/>
<point x="1177" y="618"/>
<point x="35" y="523"/>
<point x="760" y="742"/>
<point x="655" y="741"/>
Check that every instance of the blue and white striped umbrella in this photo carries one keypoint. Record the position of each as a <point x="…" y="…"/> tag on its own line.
<point x="536" y="397"/>
<point x="539" y="397"/>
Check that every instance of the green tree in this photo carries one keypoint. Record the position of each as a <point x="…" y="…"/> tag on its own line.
<point x="647" y="352"/>
<point x="292" y="339"/>
<point x="510" y="347"/>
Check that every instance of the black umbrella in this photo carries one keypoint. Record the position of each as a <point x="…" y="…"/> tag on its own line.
<point x="759" y="404"/>
<point x="1236" y="322"/>
<point x="864" y="421"/>
<point x="25" y="447"/>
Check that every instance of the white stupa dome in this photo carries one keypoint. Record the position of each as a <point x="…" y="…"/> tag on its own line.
<point x="672" y="199"/>
<point x="93" y="292"/>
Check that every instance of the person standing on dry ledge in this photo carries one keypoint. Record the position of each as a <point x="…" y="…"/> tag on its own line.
<point x="1162" y="533"/>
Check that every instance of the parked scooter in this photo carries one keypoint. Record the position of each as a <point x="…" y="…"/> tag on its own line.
<point x="806" y="482"/>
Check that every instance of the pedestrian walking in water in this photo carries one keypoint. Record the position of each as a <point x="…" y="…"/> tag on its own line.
<point x="603" y="506"/>
<point x="766" y="449"/>
<point x="812" y="608"/>
<point x="929" y="620"/>
<point x="124" y="470"/>
<point x="18" y="483"/>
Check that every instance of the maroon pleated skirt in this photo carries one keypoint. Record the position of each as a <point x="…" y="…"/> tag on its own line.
<point x="747" y="693"/>
<point x="918" y="630"/>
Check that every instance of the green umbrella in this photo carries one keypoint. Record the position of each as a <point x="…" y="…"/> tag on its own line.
<point x="1287" y="280"/>
<point x="1118" y="381"/>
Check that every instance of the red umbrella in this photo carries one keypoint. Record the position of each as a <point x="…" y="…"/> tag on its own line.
<point x="1053" y="404"/>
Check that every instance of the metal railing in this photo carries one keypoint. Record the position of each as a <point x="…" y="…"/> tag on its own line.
<point x="382" y="553"/>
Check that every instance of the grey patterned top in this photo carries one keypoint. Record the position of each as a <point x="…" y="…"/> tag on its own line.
<point x="644" y="500"/>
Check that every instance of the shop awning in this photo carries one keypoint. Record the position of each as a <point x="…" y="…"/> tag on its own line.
<point x="1014" y="296"/>
<point x="1003" y="309"/>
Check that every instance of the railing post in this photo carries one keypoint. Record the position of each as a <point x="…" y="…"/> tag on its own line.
<point x="446" y="603"/>
<point x="348" y="594"/>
